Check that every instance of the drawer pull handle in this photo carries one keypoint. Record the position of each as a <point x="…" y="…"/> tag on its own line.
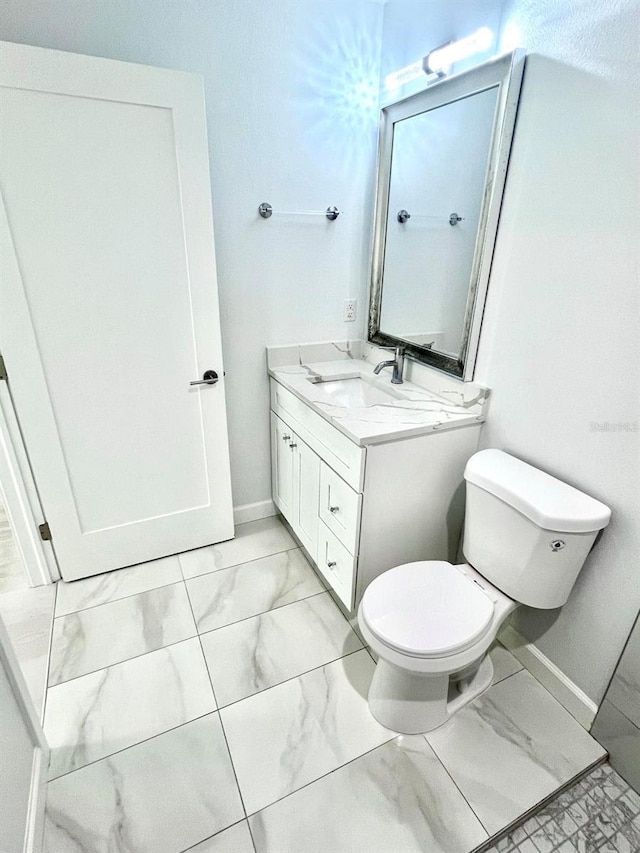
<point x="332" y="564"/>
<point x="293" y="445"/>
<point x="286" y="438"/>
<point x="334" y="508"/>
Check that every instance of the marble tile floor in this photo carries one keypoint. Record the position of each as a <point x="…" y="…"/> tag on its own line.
<point x="601" y="813"/>
<point x="215" y="702"/>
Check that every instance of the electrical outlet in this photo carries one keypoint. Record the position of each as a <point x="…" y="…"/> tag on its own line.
<point x="350" y="310"/>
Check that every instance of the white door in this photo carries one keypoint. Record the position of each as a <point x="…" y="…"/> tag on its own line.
<point x="108" y="305"/>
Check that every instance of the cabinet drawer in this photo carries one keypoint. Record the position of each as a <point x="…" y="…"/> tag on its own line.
<point x="340" y="508"/>
<point x="342" y="454"/>
<point x="337" y="565"/>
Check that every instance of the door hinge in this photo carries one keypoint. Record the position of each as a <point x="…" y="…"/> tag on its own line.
<point x="45" y="532"/>
<point x="3" y="369"/>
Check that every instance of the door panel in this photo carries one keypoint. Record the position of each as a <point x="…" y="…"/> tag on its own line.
<point x="307" y="483"/>
<point x="282" y="467"/>
<point x="109" y="305"/>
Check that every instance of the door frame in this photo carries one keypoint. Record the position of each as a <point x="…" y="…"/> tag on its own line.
<point x="34" y="831"/>
<point x="20" y="496"/>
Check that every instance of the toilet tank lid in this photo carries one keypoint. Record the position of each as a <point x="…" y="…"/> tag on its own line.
<point x="548" y="502"/>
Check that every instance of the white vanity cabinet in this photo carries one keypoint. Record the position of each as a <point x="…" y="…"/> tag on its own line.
<point x="359" y="510"/>
<point x="296" y="478"/>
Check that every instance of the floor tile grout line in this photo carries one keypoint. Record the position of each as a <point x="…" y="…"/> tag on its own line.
<point x="216" y="710"/>
<point x="253" y="841"/>
<point x="204" y="657"/>
<point x="393" y="736"/>
<point x="125" y="660"/>
<point x="181" y="579"/>
<point x="49" y="686"/>
<point x="262" y="612"/>
<point x="446" y="770"/>
<point x="622" y="713"/>
<point x="224" y="734"/>
<point x="49" y="656"/>
<point x="291" y="678"/>
<point x="233" y="767"/>
<point x="526" y="815"/>
<point x="110" y="755"/>
<point x="235" y="565"/>
<point x="215" y="699"/>
<point x="183" y="639"/>
<point x="119" y="598"/>
<point x="215" y="835"/>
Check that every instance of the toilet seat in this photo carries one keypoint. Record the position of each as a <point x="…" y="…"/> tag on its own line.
<point x="427" y="609"/>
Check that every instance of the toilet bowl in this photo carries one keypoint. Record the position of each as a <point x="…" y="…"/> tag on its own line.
<point x="431" y="623"/>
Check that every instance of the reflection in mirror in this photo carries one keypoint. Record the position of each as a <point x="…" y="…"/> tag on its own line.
<point x="437" y="182"/>
<point x="442" y="163"/>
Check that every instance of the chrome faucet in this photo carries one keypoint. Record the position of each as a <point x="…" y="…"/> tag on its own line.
<point x="397" y="363"/>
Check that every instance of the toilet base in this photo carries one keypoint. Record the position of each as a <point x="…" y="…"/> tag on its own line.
<point x="414" y="703"/>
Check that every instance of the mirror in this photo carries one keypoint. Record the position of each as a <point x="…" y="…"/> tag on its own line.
<point x="442" y="164"/>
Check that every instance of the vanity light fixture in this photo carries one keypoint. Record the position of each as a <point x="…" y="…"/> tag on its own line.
<point x="408" y="73"/>
<point x="438" y="61"/>
<point x="441" y="58"/>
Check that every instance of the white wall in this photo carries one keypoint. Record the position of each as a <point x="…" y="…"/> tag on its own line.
<point x="559" y="344"/>
<point x="291" y="88"/>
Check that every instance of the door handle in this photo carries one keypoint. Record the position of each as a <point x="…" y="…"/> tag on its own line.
<point x="209" y="377"/>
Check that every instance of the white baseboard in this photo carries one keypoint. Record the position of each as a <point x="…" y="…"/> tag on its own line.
<point x="254" y="511"/>
<point x="34" y="835"/>
<point x="568" y="694"/>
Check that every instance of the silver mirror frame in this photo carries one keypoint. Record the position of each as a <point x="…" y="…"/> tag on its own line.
<point x="505" y="72"/>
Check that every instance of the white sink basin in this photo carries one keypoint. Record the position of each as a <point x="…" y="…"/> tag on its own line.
<point x="353" y="393"/>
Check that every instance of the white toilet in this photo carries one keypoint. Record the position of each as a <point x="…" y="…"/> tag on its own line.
<point x="526" y="537"/>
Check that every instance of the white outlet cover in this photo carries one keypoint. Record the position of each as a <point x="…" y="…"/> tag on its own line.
<point x="350" y="310"/>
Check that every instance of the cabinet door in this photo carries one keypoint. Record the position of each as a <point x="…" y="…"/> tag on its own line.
<point x="282" y="468"/>
<point x="307" y="486"/>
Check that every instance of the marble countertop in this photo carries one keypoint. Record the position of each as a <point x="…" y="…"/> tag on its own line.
<point x="410" y="410"/>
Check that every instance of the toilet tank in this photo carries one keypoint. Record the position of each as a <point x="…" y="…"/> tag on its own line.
<point x="525" y="531"/>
